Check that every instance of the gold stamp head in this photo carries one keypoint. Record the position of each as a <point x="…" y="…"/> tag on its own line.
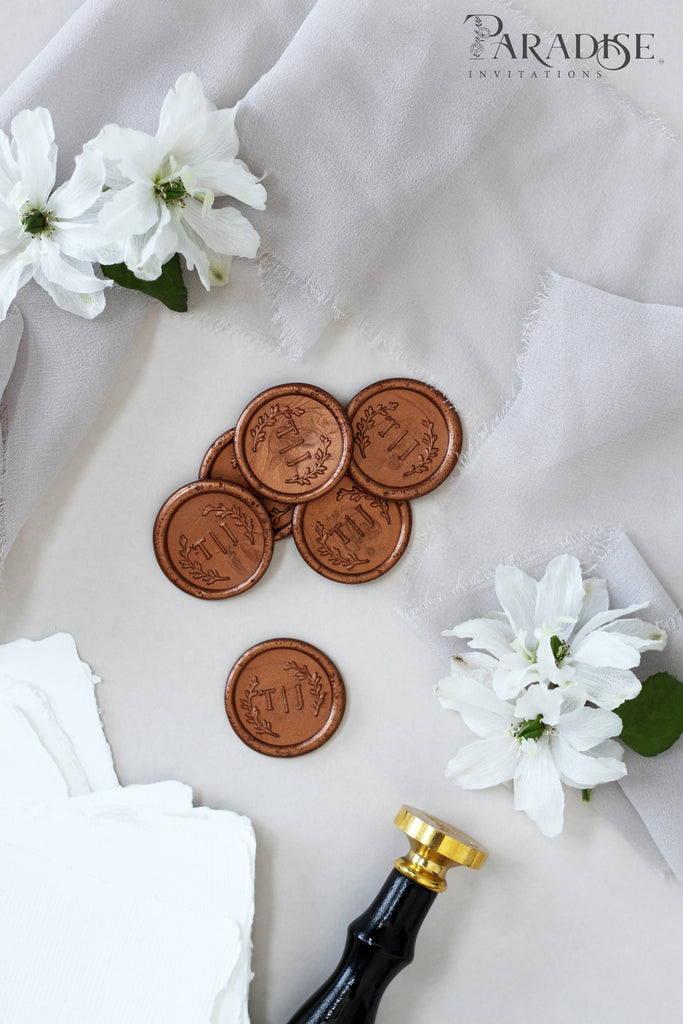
<point x="434" y="848"/>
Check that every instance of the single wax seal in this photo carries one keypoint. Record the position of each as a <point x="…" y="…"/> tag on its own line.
<point x="350" y="535"/>
<point x="407" y="438"/>
<point x="293" y="442"/>
<point x="284" y="697"/>
<point x="213" y="539"/>
<point x="220" y="463"/>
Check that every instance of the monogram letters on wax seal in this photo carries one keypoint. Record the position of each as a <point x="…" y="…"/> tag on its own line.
<point x="407" y="438"/>
<point x="350" y="535"/>
<point x="213" y="539"/>
<point x="284" y="697"/>
<point x="220" y="463"/>
<point x="293" y="442"/>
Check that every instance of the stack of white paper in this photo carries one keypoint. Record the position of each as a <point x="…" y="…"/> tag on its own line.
<point x="119" y="904"/>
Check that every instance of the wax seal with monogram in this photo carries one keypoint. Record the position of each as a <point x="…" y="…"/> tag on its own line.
<point x="407" y="438"/>
<point x="220" y="463"/>
<point x="213" y="539"/>
<point x="284" y="697"/>
<point x="350" y="535"/>
<point x="293" y="442"/>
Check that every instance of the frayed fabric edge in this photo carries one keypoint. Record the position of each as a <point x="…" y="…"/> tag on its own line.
<point x="600" y="540"/>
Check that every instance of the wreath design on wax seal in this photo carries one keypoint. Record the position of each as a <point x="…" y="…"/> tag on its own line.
<point x="267" y="420"/>
<point x="194" y="567"/>
<point x="252" y="713"/>
<point x="357" y="494"/>
<point x="367" y="421"/>
<point x="320" y="457"/>
<point x="237" y="515"/>
<point x="333" y="554"/>
<point x="425" y="458"/>
<point x="303" y="674"/>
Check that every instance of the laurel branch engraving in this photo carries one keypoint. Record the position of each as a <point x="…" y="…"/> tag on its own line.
<point x="303" y="674"/>
<point x="252" y="713"/>
<point x="194" y="567"/>
<point x="357" y="494"/>
<point x="332" y="554"/>
<point x="425" y="459"/>
<point x="267" y="420"/>
<point x="237" y="515"/>
<point x="318" y="467"/>
<point x="367" y="421"/>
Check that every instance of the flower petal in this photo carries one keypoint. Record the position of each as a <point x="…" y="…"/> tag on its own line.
<point x="517" y="595"/>
<point x="538" y="790"/>
<point x="129" y="155"/>
<point x="484" y="763"/>
<point x="595" y="601"/>
<point x="507" y="683"/>
<point x="72" y="275"/>
<point x="226" y="178"/>
<point x="194" y="251"/>
<point x="584" y="728"/>
<point x="602" y="619"/>
<point x="539" y="700"/>
<point x="82" y="190"/>
<point x="9" y="172"/>
<point x="464" y="692"/>
<point x="219" y="270"/>
<point x="133" y="211"/>
<point x="35" y="152"/>
<point x="224" y="231"/>
<point x="88" y="305"/>
<point x="14" y="274"/>
<point x="183" y="116"/>
<point x="490" y="634"/>
<point x="643" y="636"/>
<point x="560" y="596"/>
<point x="146" y="254"/>
<point x="608" y="687"/>
<point x="84" y="239"/>
<point x="582" y="770"/>
<point x="603" y="649"/>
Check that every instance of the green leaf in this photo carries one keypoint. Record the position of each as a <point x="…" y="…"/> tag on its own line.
<point x="653" y="720"/>
<point x="168" y="288"/>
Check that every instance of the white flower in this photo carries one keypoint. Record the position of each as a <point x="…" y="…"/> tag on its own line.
<point x="166" y="184"/>
<point x="546" y="738"/>
<point x="49" y="236"/>
<point x="559" y="631"/>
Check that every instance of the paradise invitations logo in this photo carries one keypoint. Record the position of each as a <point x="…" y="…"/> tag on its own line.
<point x="551" y="55"/>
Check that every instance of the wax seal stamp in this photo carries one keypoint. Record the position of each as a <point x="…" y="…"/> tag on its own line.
<point x="284" y="697"/>
<point x="407" y="438"/>
<point x="220" y="463"/>
<point x="293" y="442"/>
<point x="350" y="535"/>
<point x="213" y="539"/>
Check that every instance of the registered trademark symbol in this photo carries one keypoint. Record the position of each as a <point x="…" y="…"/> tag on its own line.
<point x="661" y="61"/>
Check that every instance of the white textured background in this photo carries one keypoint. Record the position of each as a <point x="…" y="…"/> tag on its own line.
<point x="575" y="928"/>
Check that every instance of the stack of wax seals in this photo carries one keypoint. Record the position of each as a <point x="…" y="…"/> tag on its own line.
<point x="297" y="462"/>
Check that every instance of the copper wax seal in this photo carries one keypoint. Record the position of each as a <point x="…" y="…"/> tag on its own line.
<point x="284" y="697"/>
<point x="350" y="535"/>
<point x="213" y="539"/>
<point x="293" y="442"/>
<point x="220" y="463"/>
<point x="407" y="438"/>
